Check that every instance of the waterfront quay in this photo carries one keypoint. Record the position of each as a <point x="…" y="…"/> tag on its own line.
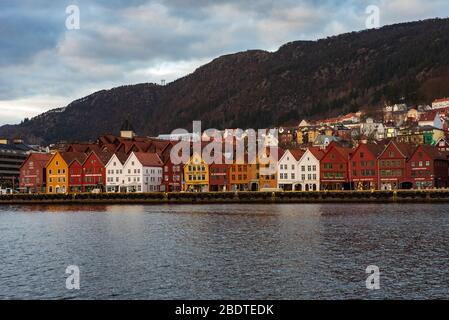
<point x="394" y="196"/>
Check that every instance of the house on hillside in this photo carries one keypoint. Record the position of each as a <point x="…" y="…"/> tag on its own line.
<point x="440" y="103"/>
<point x="432" y="118"/>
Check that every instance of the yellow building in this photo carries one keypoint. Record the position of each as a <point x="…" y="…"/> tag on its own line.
<point x="300" y="136"/>
<point x="328" y="131"/>
<point x="253" y="177"/>
<point x="238" y="178"/>
<point x="57" y="174"/>
<point x="196" y="174"/>
<point x="267" y="181"/>
<point x="312" y="134"/>
<point x="268" y="171"/>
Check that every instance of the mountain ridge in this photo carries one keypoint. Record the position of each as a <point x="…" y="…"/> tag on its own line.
<point x="257" y="88"/>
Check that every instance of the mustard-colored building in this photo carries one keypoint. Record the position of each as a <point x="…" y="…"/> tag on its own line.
<point x="57" y="174"/>
<point x="196" y="174"/>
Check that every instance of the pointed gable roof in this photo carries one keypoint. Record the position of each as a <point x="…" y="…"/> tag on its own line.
<point x="296" y="153"/>
<point x="317" y="152"/>
<point x="406" y="150"/>
<point x="104" y="156"/>
<point x="149" y="159"/>
<point x="432" y="152"/>
<point x="38" y="157"/>
<point x="345" y="152"/>
<point x="79" y="147"/>
<point x="428" y="116"/>
<point x="376" y="149"/>
<point x="122" y="157"/>
<point x="70" y="157"/>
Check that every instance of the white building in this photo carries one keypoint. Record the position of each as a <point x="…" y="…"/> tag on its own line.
<point x="440" y="103"/>
<point x="142" y="172"/>
<point x="309" y="170"/>
<point x="304" y="124"/>
<point x="380" y="132"/>
<point x="287" y="170"/>
<point x="115" y="179"/>
<point x="431" y="119"/>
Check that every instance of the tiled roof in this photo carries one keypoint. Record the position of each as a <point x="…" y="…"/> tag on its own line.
<point x="69" y="157"/>
<point x="428" y="116"/>
<point x="406" y="149"/>
<point x="345" y="152"/>
<point x="37" y="157"/>
<point x="122" y="157"/>
<point x="376" y="149"/>
<point x="317" y="152"/>
<point x="40" y="156"/>
<point x="149" y="159"/>
<point x="441" y="100"/>
<point x="432" y="152"/>
<point x="297" y="153"/>
<point x="104" y="156"/>
<point x="80" y="147"/>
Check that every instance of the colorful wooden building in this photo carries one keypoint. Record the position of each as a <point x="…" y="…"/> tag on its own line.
<point x="57" y="167"/>
<point x="427" y="168"/>
<point x="219" y="176"/>
<point x="173" y="176"/>
<point x="196" y="174"/>
<point x="392" y="166"/>
<point x="76" y="177"/>
<point x="33" y="174"/>
<point x="363" y="171"/>
<point x="94" y="171"/>
<point x="334" y="169"/>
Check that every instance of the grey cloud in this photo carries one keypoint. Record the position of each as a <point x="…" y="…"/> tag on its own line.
<point x="132" y="41"/>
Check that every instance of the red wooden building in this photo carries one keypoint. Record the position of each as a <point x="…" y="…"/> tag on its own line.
<point x="94" y="171"/>
<point x="427" y="168"/>
<point x="392" y="166"/>
<point x="334" y="168"/>
<point x="219" y="179"/>
<point x="172" y="177"/>
<point x="75" y="162"/>
<point x="33" y="174"/>
<point x="443" y="144"/>
<point x="363" y="167"/>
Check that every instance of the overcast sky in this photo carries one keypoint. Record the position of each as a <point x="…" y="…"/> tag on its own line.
<point x="44" y="65"/>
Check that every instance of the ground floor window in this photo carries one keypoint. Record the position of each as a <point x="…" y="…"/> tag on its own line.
<point x="424" y="185"/>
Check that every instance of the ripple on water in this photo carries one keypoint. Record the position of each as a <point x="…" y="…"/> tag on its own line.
<point x="286" y="251"/>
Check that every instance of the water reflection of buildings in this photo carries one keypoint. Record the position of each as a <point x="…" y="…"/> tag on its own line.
<point x="58" y="208"/>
